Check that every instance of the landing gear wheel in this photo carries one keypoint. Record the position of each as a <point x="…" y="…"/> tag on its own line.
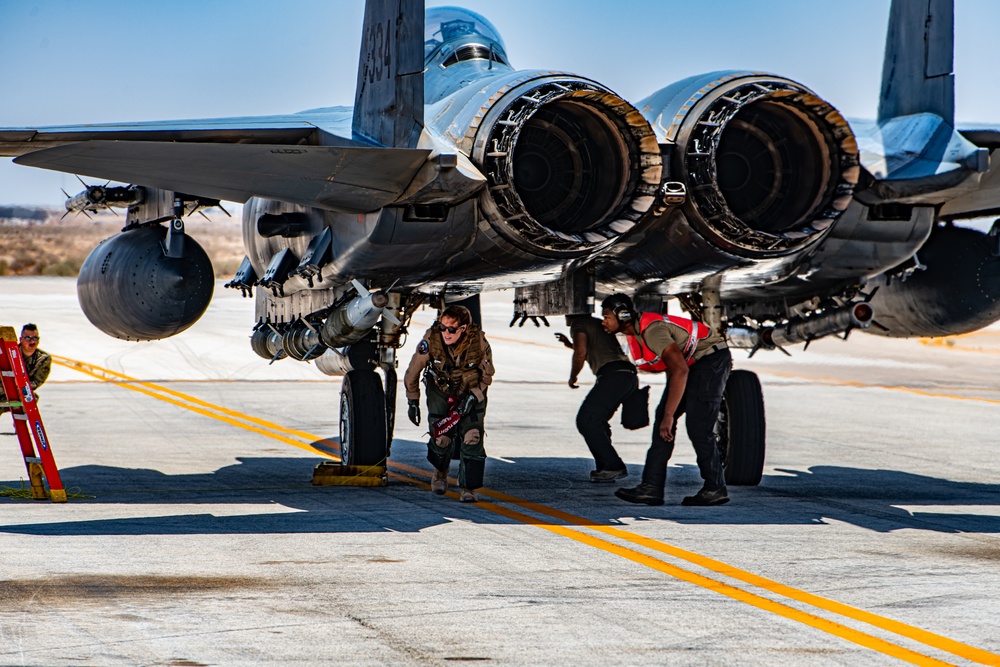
<point x="741" y="430"/>
<point x="363" y="427"/>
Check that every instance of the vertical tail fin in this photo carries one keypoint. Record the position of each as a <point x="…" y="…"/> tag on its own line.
<point x="389" y="100"/>
<point x="917" y="75"/>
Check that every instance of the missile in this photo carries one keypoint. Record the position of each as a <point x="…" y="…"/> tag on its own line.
<point x="853" y="316"/>
<point x="267" y="343"/>
<point x="99" y="197"/>
<point x="335" y="362"/>
<point x="352" y="321"/>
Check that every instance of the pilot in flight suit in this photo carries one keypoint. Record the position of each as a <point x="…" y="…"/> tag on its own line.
<point x="457" y="366"/>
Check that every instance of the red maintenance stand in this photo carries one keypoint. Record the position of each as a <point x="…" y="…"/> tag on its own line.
<point x="27" y="422"/>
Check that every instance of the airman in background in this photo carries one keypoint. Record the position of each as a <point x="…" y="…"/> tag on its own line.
<point x="38" y="362"/>
<point x="616" y="380"/>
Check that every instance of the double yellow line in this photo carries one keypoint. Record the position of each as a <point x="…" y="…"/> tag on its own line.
<point x="569" y="526"/>
<point x="188" y="402"/>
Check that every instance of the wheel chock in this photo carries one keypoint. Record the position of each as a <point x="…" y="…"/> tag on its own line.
<point x="329" y="473"/>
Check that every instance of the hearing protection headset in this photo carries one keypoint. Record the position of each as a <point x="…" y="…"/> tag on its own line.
<point x="621" y="306"/>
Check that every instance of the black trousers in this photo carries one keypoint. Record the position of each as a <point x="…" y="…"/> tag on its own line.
<point x="702" y="399"/>
<point x="613" y="384"/>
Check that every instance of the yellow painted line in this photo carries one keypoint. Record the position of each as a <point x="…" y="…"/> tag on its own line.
<point x="186" y="403"/>
<point x="923" y="636"/>
<point x="948" y="342"/>
<point x="960" y="348"/>
<point x="98" y="372"/>
<point x="860" y="638"/>
<point x="887" y="387"/>
<point x="738" y="594"/>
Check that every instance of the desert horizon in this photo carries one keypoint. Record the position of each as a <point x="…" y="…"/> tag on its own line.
<point x="40" y="241"/>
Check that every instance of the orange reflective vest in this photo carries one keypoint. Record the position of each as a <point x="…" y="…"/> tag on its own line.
<point x="650" y="361"/>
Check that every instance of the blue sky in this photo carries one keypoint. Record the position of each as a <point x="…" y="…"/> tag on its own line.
<point x="64" y="62"/>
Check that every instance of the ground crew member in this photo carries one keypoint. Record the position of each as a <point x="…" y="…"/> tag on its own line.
<point x="38" y="362"/>
<point x="616" y="380"/>
<point x="697" y="363"/>
<point x="457" y="365"/>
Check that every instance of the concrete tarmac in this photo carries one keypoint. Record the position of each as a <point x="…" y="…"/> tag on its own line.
<point x="197" y="539"/>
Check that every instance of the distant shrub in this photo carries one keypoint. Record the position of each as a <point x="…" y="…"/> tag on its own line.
<point x="67" y="267"/>
<point x="225" y="267"/>
<point x="22" y="264"/>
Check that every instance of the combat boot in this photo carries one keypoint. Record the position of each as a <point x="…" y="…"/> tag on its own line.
<point x="468" y="496"/>
<point x="706" y="498"/>
<point x="644" y="494"/>
<point x="607" y="475"/>
<point x="439" y="482"/>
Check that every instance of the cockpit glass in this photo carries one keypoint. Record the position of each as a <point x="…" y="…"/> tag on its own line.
<point x="454" y="24"/>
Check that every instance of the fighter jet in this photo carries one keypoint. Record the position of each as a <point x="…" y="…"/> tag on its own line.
<point x="742" y="194"/>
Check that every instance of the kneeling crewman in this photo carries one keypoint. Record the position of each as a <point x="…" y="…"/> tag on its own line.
<point x="457" y="364"/>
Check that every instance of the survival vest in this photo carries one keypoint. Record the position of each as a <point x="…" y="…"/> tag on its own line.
<point x="454" y="377"/>
<point x="646" y="359"/>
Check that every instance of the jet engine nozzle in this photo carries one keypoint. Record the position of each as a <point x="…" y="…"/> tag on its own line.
<point x="130" y="289"/>
<point x="769" y="165"/>
<point x="570" y="166"/>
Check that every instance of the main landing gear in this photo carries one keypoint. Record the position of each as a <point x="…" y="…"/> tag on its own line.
<point x="741" y="429"/>
<point x="367" y="406"/>
<point x="364" y="430"/>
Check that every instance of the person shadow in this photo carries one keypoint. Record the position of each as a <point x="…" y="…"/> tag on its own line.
<point x="878" y="500"/>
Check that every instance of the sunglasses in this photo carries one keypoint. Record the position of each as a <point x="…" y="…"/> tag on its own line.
<point x="451" y="330"/>
<point x="31" y="338"/>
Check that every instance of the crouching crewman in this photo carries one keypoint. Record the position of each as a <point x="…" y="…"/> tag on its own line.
<point x="457" y="366"/>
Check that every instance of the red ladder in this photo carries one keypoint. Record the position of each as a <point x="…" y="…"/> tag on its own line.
<point x="27" y="421"/>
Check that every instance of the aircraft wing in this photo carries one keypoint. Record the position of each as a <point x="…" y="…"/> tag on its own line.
<point x="305" y="158"/>
<point x="329" y="127"/>
<point x="350" y="179"/>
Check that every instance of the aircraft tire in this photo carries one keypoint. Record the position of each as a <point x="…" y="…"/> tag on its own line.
<point x="742" y="430"/>
<point x="363" y="426"/>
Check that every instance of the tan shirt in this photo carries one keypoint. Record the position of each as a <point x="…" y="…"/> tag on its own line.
<point x="602" y="347"/>
<point x="419" y="361"/>
<point x="659" y="335"/>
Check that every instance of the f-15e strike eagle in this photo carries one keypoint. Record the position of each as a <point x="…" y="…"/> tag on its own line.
<point x="742" y="194"/>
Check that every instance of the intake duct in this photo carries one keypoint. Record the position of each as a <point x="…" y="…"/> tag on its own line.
<point x="769" y="165"/>
<point x="570" y="166"/>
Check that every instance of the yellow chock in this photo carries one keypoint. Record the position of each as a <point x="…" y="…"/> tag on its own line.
<point x="329" y="473"/>
<point x="37" y="477"/>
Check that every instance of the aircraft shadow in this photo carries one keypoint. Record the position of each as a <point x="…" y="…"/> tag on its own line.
<point x="869" y="499"/>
